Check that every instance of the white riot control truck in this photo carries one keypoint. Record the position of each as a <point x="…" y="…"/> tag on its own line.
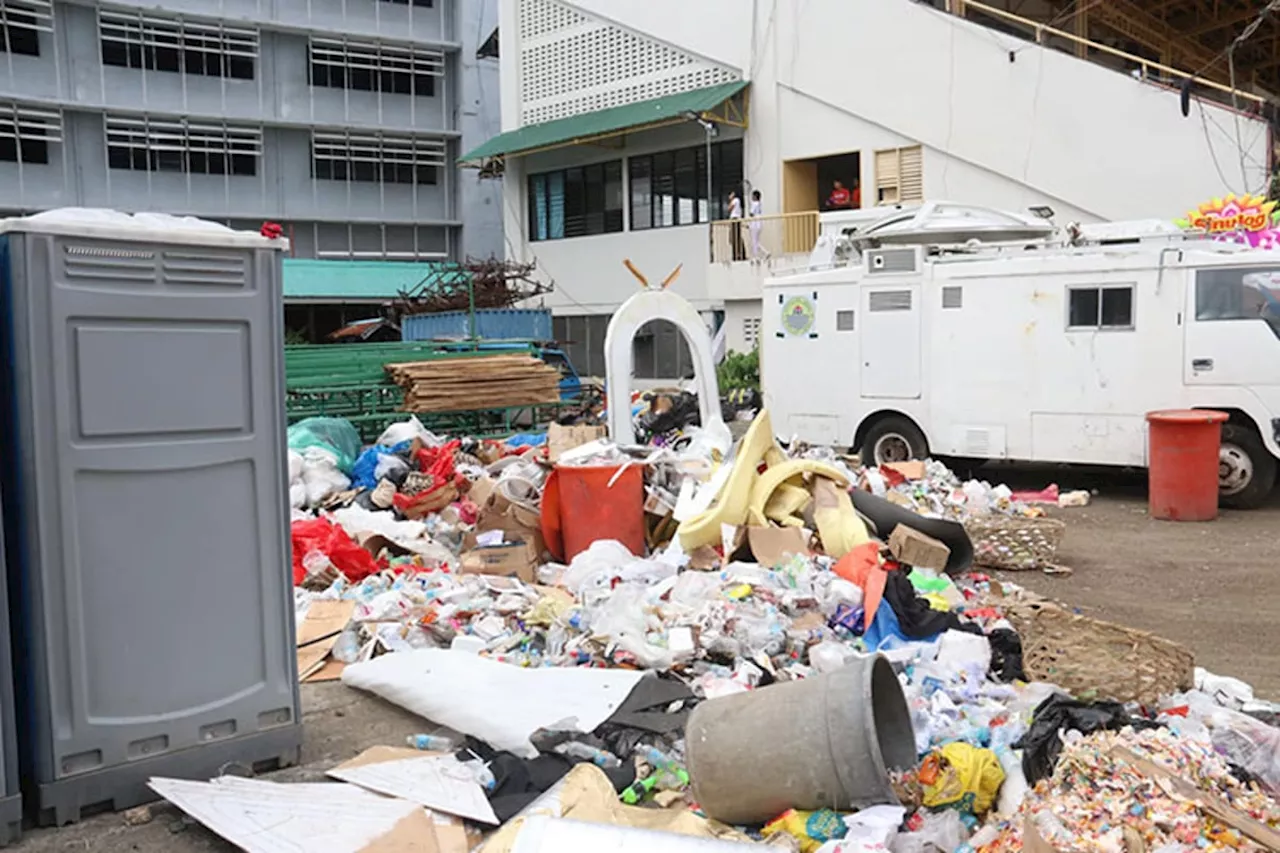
<point x="962" y="331"/>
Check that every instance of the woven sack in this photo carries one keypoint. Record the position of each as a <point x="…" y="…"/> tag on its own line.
<point x="1098" y="660"/>
<point x="1015" y="544"/>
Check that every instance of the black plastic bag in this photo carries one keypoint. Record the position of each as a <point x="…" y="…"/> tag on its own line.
<point x="1041" y="744"/>
<point x="1006" y="655"/>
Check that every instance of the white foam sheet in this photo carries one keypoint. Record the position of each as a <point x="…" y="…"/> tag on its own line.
<point x="267" y="817"/>
<point x="498" y="703"/>
<point x="440" y="783"/>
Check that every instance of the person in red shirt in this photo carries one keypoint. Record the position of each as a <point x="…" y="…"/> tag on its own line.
<point x="840" y="197"/>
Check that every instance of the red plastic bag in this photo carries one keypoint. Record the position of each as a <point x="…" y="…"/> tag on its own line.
<point x="321" y="534"/>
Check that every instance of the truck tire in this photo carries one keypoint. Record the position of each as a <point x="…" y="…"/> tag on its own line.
<point x="893" y="439"/>
<point x="1246" y="470"/>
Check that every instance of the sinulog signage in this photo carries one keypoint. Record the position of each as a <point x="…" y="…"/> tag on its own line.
<point x="1249" y="219"/>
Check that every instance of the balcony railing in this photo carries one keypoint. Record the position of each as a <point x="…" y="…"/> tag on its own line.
<point x="759" y="238"/>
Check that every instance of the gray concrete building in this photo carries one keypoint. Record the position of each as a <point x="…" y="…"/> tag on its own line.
<point x="339" y="119"/>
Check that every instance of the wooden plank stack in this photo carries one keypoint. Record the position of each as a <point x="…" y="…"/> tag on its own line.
<point x="484" y="382"/>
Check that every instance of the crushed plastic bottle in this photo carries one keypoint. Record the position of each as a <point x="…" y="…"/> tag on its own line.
<point x="433" y="743"/>
<point x="599" y="757"/>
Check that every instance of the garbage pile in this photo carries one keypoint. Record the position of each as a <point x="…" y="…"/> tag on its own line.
<point x="710" y="646"/>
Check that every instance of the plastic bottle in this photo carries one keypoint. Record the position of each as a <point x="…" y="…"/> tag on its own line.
<point x="433" y="743"/>
<point x="598" y="757"/>
<point x="671" y="776"/>
<point x="347" y="647"/>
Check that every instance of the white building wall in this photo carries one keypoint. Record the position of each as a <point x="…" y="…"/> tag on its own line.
<point x="832" y="76"/>
<point x="479" y="119"/>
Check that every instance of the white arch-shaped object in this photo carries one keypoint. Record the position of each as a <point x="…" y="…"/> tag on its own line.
<point x="644" y="307"/>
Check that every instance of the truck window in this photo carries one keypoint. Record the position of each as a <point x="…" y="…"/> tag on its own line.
<point x="1239" y="293"/>
<point x="1100" y="307"/>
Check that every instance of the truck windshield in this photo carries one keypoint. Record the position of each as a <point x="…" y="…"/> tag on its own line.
<point x="1239" y="293"/>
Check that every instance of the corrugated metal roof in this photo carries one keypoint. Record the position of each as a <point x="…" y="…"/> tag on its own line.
<point x="582" y="128"/>
<point x="349" y="281"/>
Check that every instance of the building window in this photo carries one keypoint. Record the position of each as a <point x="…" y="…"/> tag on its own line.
<point x="26" y="134"/>
<point x="426" y="4"/>
<point x="751" y="332"/>
<point x="900" y="175"/>
<point x="374" y="67"/>
<point x="150" y="145"/>
<point x="576" y="202"/>
<point x="137" y="40"/>
<point x="21" y="24"/>
<point x="1100" y="307"/>
<point x="377" y="158"/>
<point x="671" y="188"/>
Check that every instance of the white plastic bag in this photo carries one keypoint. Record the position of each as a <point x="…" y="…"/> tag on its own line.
<point x="321" y="475"/>
<point x="942" y="832"/>
<point x="407" y="431"/>
<point x="597" y="567"/>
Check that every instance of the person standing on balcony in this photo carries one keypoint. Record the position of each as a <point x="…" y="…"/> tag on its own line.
<point x="755" y="211"/>
<point x="735" y="227"/>
<point x="840" y="197"/>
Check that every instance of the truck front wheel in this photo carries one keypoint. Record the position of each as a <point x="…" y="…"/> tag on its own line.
<point x="1246" y="469"/>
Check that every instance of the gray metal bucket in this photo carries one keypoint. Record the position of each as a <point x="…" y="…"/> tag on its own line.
<point x="824" y="742"/>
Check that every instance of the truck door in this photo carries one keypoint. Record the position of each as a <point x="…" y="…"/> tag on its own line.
<point x="890" y="341"/>
<point x="1233" y="328"/>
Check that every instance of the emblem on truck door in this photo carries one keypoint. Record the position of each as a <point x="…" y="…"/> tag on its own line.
<point x="797" y="315"/>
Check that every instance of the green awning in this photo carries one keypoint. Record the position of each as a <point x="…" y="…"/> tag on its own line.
<point x="583" y="128"/>
<point x="307" y="280"/>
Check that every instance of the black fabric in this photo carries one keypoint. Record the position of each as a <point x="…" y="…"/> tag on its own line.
<point x="646" y="706"/>
<point x="1041" y="744"/>
<point x="915" y="617"/>
<point x="519" y="781"/>
<point x="885" y="516"/>
<point x="1006" y="655"/>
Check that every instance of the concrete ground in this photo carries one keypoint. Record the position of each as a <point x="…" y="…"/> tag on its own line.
<point x="1209" y="586"/>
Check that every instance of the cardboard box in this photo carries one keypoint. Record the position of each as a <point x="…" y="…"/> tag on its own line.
<point x="914" y="548"/>
<point x="517" y="523"/>
<point x="563" y="438"/>
<point x="515" y="559"/>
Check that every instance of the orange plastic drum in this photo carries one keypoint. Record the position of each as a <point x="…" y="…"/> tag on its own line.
<point x="1182" y="477"/>
<point x="591" y="508"/>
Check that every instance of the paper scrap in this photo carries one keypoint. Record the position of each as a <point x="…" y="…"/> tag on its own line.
<point x="490" y="538"/>
<point x="268" y="817"/>
<point x="440" y="783"/>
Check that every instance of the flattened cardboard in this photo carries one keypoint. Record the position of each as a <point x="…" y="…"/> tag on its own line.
<point x="564" y="438"/>
<point x="318" y="634"/>
<point x="509" y="559"/>
<point x="330" y="670"/>
<point x="325" y="618"/>
<point x="773" y="546"/>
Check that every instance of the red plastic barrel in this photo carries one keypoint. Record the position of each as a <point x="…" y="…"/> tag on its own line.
<point x="591" y="508"/>
<point x="1182" y="477"/>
